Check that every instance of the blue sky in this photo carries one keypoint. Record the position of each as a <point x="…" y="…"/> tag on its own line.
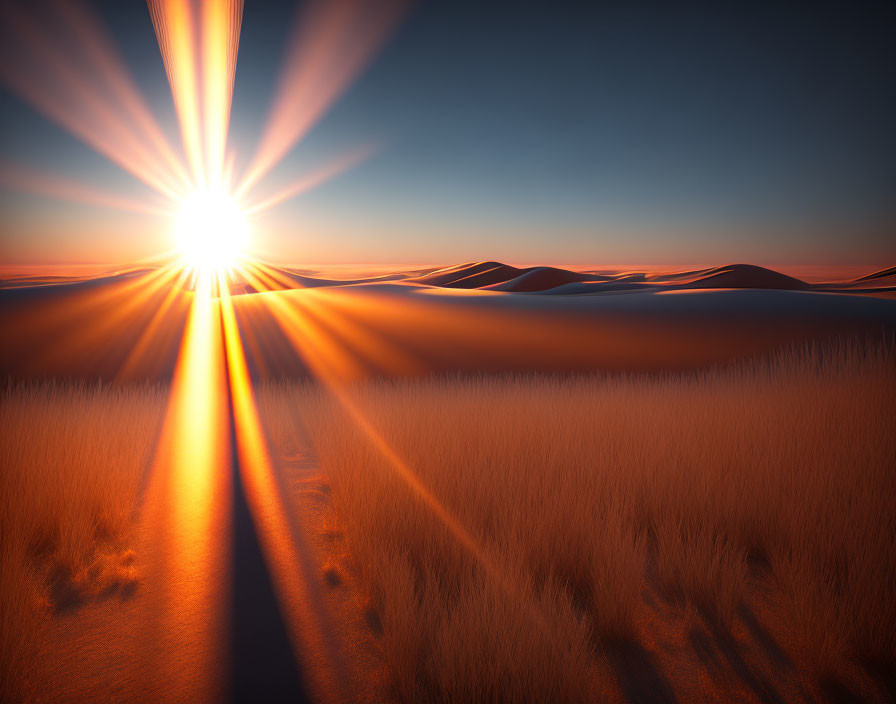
<point x="550" y="132"/>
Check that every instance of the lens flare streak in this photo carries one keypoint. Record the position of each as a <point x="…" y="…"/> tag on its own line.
<point x="27" y="180"/>
<point x="316" y="178"/>
<point x="312" y="345"/>
<point x="333" y="41"/>
<point x="85" y="89"/>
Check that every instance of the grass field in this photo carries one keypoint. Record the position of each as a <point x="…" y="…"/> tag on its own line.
<point x="71" y="460"/>
<point x="749" y="504"/>
<point x="531" y="537"/>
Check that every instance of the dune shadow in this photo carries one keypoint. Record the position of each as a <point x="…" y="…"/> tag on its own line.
<point x="373" y="621"/>
<point x="837" y="692"/>
<point x="764" y="639"/>
<point x="332" y="577"/>
<point x="67" y="592"/>
<point x="722" y="641"/>
<point x="638" y="674"/>
<point x="885" y="675"/>
<point x="62" y="594"/>
<point x="705" y="651"/>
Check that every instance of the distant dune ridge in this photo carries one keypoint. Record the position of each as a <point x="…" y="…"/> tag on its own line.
<point x="888" y="274"/>
<point x="497" y="276"/>
<point x="746" y="276"/>
<point x="473" y="317"/>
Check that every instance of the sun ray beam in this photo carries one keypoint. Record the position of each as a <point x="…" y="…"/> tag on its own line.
<point x="309" y="341"/>
<point x="85" y="90"/>
<point x="320" y="350"/>
<point x="24" y="179"/>
<point x="175" y="29"/>
<point x="314" y="179"/>
<point x="187" y="513"/>
<point x="333" y="42"/>
<point x="140" y="354"/>
<point x="199" y="44"/>
<point x="108" y="62"/>
<point x="221" y="22"/>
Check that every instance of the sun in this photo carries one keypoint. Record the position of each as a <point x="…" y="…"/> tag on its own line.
<point x="211" y="231"/>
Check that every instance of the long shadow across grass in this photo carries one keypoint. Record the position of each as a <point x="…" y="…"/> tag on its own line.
<point x="262" y="666"/>
<point x="639" y="676"/>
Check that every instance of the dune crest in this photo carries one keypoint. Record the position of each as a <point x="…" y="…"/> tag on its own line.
<point x="499" y="277"/>
<point x="746" y="276"/>
<point x="889" y="274"/>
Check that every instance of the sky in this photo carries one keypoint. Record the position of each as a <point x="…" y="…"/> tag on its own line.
<point x="555" y="133"/>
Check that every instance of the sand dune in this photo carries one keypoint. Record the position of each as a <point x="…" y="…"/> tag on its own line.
<point x="746" y="276"/>
<point x="26" y="280"/>
<point x="484" y="316"/>
<point x="473" y="275"/>
<point x="306" y="281"/>
<point x="676" y="276"/>
<point x="495" y="276"/>
<point x="540" y="278"/>
<point x="624" y="284"/>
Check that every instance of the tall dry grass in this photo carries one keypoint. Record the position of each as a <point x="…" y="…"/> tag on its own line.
<point x="71" y="460"/>
<point x="578" y="494"/>
<point x="582" y="491"/>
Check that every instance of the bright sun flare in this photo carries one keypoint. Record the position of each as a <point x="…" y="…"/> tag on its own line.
<point x="212" y="231"/>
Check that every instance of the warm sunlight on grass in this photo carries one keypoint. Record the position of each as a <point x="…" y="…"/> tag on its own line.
<point x="713" y="532"/>
<point x="656" y="511"/>
<point x="72" y="458"/>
